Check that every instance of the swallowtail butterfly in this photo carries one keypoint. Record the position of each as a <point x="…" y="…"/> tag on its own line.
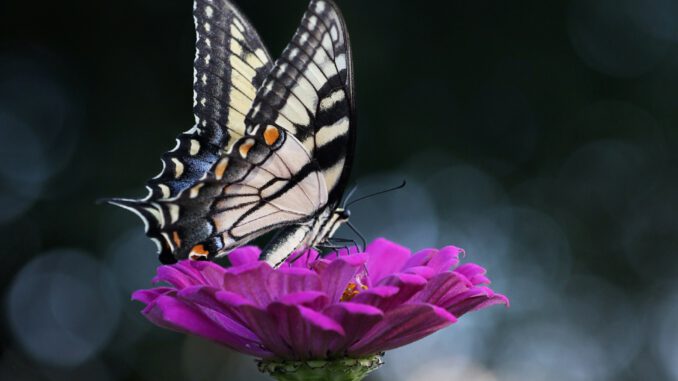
<point x="272" y="144"/>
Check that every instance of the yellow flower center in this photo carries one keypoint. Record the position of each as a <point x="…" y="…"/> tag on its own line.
<point x="351" y="291"/>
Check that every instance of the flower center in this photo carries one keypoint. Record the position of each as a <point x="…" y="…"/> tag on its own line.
<point x="351" y="291"/>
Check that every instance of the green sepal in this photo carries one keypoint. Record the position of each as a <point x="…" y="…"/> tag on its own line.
<point x="346" y="369"/>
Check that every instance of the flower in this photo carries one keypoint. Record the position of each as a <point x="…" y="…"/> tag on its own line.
<point x="311" y="308"/>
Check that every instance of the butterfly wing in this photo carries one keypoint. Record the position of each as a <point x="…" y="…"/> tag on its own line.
<point x="266" y="181"/>
<point x="294" y="159"/>
<point x="230" y="65"/>
<point x="310" y="93"/>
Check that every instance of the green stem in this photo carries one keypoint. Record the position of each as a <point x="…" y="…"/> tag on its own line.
<point x="346" y="369"/>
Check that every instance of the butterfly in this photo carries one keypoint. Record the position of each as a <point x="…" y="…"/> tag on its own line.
<point x="272" y="145"/>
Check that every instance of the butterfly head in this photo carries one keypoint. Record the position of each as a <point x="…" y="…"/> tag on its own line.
<point x="337" y="218"/>
<point x="342" y="214"/>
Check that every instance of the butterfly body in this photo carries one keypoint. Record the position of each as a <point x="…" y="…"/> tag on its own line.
<point x="272" y="145"/>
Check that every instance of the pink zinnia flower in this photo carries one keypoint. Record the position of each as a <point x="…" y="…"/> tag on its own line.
<point x="312" y="308"/>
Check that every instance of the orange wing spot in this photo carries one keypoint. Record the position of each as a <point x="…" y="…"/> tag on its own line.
<point x="221" y="168"/>
<point x="175" y="238"/>
<point x="271" y="135"/>
<point x="198" y="252"/>
<point x="246" y="147"/>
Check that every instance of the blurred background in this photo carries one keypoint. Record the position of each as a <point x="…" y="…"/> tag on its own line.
<point x="538" y="135"/>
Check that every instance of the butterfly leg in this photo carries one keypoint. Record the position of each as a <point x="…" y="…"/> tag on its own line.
<point x="337" y="244"/>
<point x="352" y="243"/>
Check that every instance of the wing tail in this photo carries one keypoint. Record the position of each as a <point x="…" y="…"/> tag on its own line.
<point x="153" y="216"/>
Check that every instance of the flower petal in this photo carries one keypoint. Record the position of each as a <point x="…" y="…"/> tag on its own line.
<point x="474" y="273"/>
<point x="408" y="285"/>
<point x="302" y="259"/>
<point x="423" y="271"/>
<point x="376" y="296"/>
<point x="385" y="257"/>
<point x="442" y="287"/>
<point x="265" y="326"/>
<point x="356" y="319"/>
<point x="286" y="280"/>
<point x="336" y="276"/>
<point x="211" y="274"/>
<point x="249" y="281"/>
<point x="148" y="296"/>
<point x="401" y="326"/>
<point x="177" y="315"/>
<point x="473" y="300"/>
<point x="420" y="258"/>
<point x="446" y="257"/>
<point x="315" y="300"/>
<point x="244" y="255"/>
<point x="308" y="333"/>
<point x="179" y="275"/>
<point x="206" y="297"/>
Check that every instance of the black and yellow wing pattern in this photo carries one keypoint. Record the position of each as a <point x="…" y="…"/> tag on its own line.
<point x="230" y="65"/>
<point x="283" y="163"/>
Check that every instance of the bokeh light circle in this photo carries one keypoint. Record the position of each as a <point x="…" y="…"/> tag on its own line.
<point x="605" y="38"/>
<point x="63" y="307"/>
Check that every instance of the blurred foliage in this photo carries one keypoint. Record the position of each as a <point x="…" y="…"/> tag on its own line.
<point x="540" y="136"/>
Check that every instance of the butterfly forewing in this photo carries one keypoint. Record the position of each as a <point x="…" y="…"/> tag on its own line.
<point x="230" y="65"/>
<point x="309" y="93"/>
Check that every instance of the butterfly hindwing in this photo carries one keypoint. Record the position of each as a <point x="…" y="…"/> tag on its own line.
<point x="267" y="180"/>
<point x="230" y="65"/>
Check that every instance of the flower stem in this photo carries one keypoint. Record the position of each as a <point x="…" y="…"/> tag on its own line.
<point x="346" y="369"/>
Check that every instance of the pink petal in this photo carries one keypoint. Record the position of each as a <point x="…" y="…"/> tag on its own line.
<point x="401" y="326"/>
<point x="211" y="273"/>
<point x="286" y="280"/>
<point x="206" y="297"/>
<point x="474" y="273"/>
<point x="420" y="258"/>
<point x="148" y="296"/>
<point x="408" y="285"/>
<point x="249" y="281"/>
<point x="179" y="275"/>
<point x="446" y="257"/>
<point x="308" y="333"/>
<point x="356" y="319"/>
<point x="423" y="271"/>
<point x="265" y="326"/>
<point x="443" y="286"/>
<point x="176" y="315"/>
<point x="336" y="276"/>
<point x="473" y="300"/>
<point x="315" y="300"/>
<point x="385" y="257"/>
<point x="376" y="296"/>
<point x="244" y="255"/>
<point x="302" y="259"/>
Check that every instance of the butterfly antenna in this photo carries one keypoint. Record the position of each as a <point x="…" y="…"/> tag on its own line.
<point x="362" y="239"/>
<point x="349" y="195"/>
<point x="401" y="186"/>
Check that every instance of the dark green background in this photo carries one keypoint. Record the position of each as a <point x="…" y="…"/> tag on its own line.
<point x="538" y="135"/>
